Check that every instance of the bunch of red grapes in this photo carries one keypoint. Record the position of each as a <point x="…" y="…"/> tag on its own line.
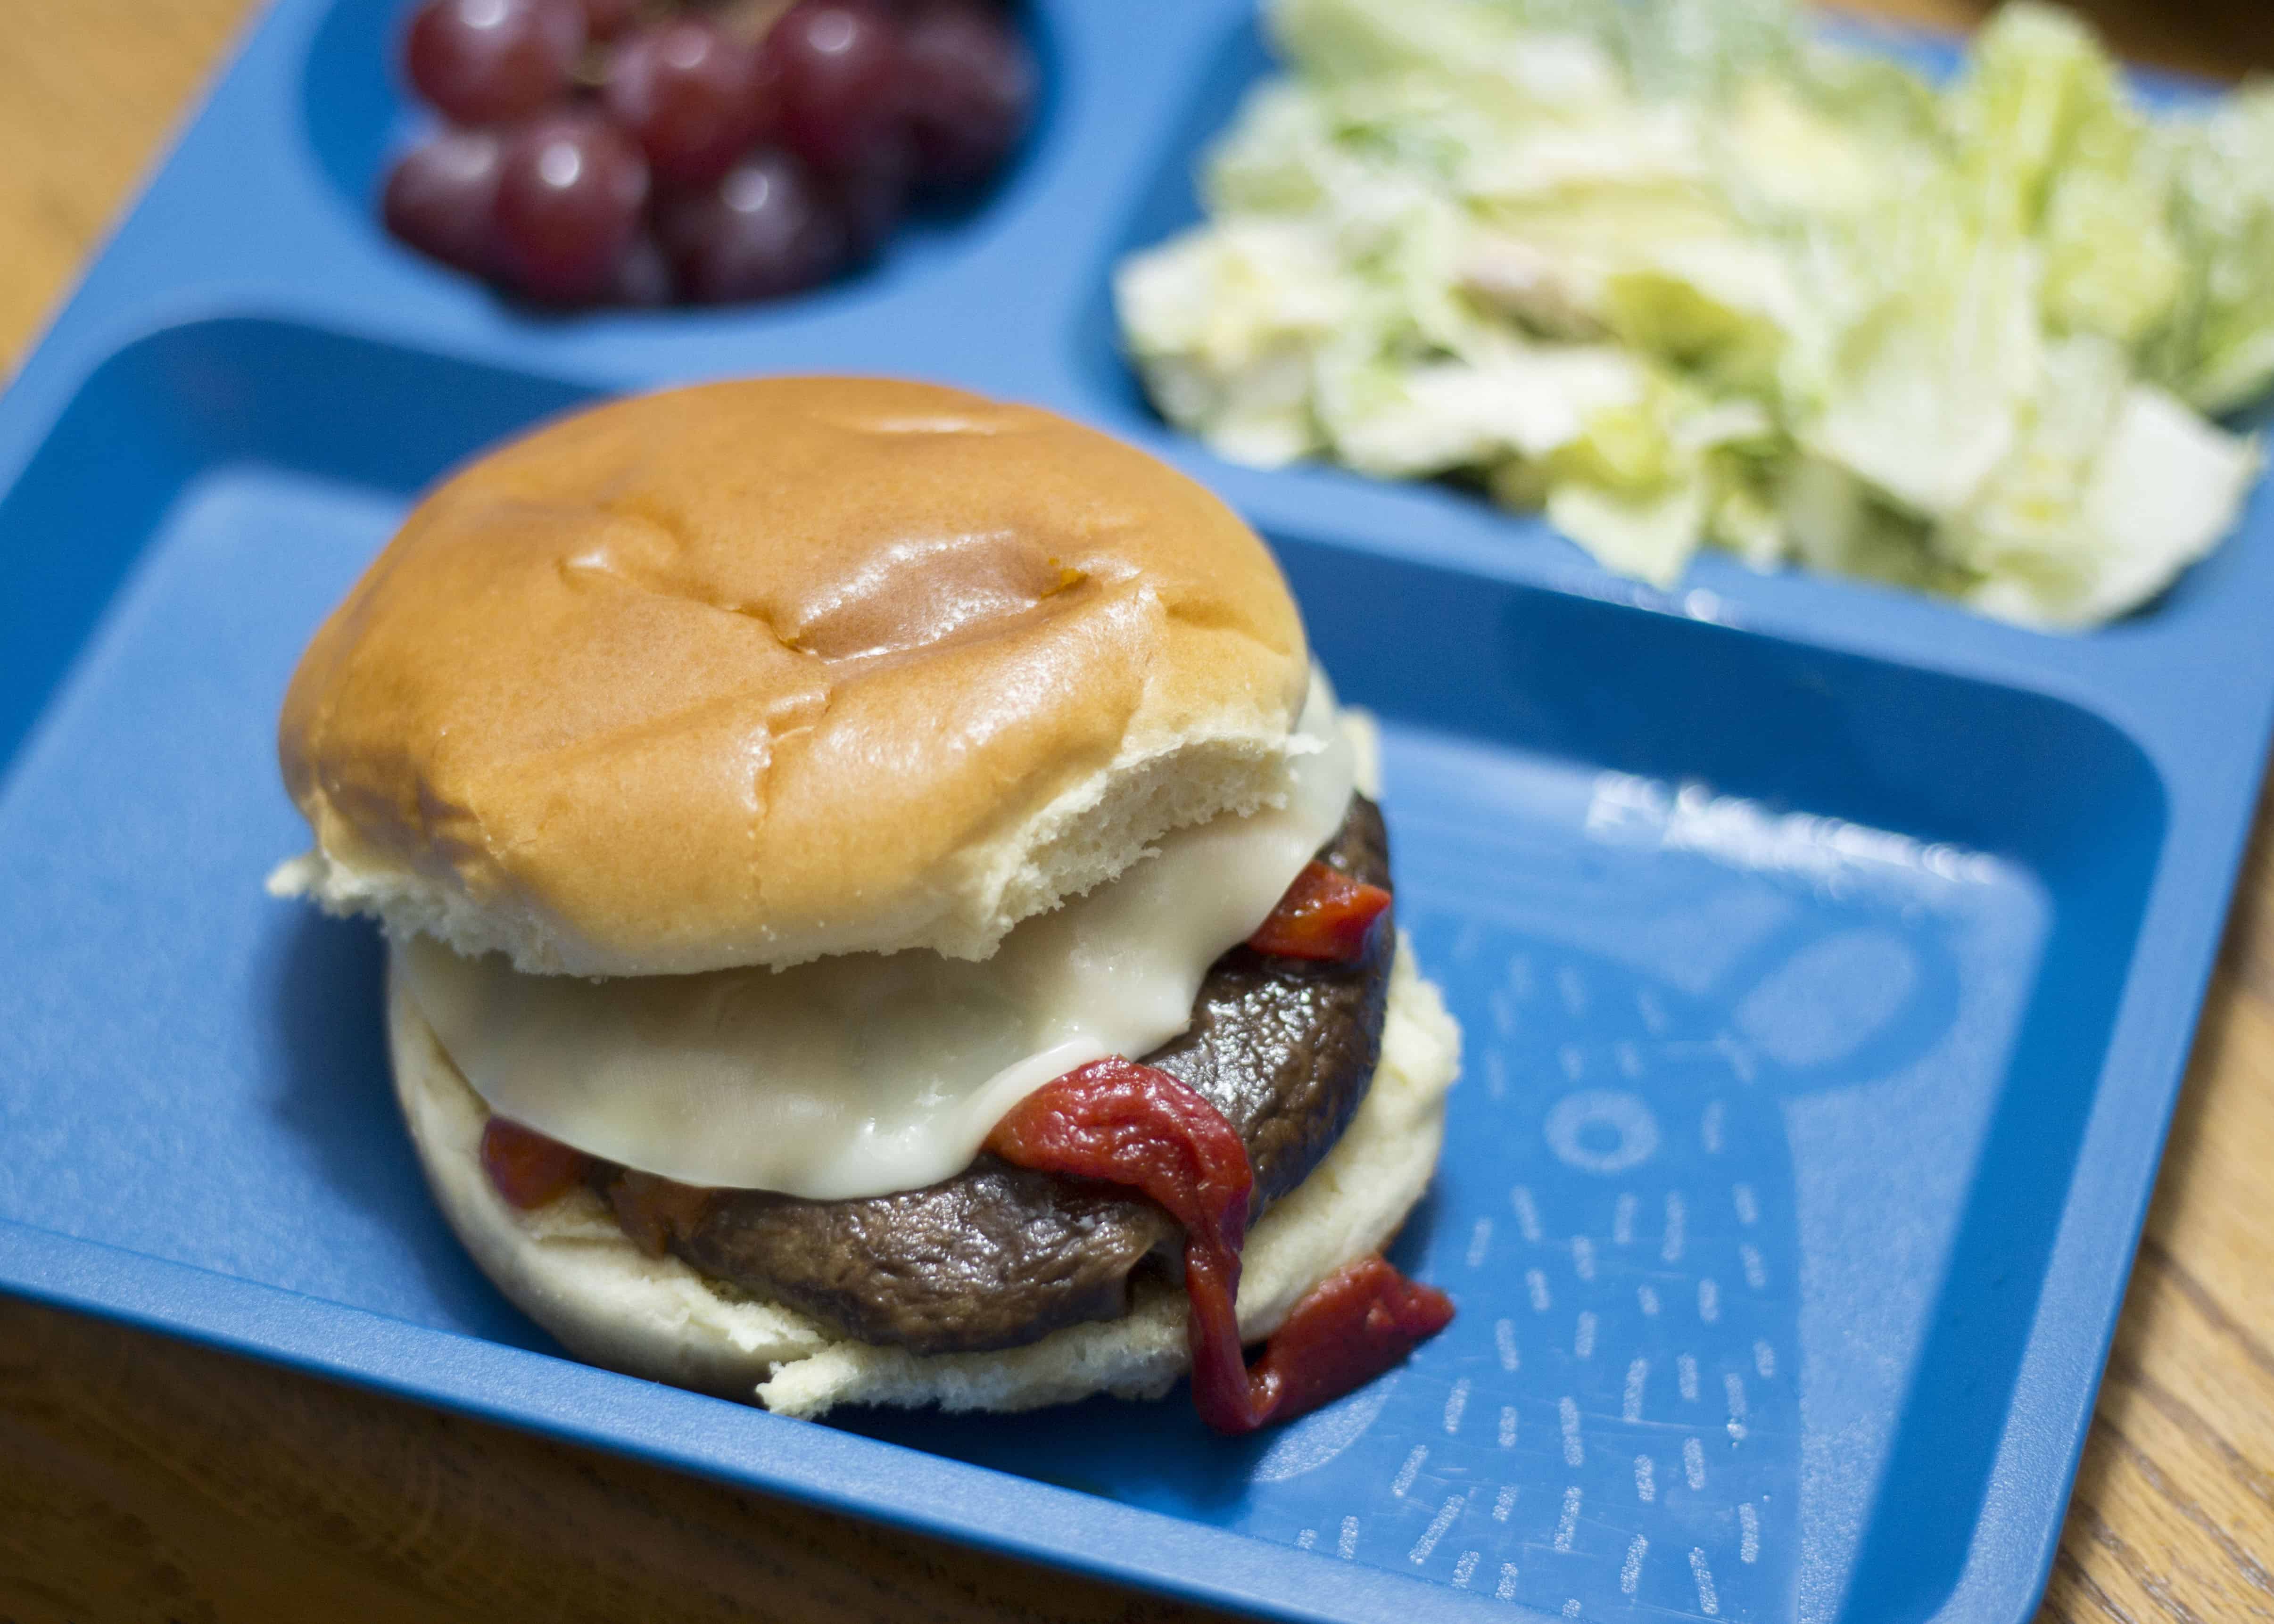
<point x="639" y="151"/>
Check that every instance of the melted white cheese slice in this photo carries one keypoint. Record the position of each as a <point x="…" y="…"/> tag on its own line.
<point x="868" y="1073"/>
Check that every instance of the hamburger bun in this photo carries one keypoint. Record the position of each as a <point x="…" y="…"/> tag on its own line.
<point x="683" y="746"/>
<point x="754" y="673"/>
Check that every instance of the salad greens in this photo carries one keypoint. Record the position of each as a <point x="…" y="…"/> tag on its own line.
<point x="1682" y="272"/>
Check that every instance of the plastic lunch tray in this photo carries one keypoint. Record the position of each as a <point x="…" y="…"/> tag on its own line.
<point x="1828" y="958"/>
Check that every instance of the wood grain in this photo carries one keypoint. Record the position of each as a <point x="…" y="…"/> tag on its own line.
<point x="141" y="1479"/>
<point x="2216" y="39"/>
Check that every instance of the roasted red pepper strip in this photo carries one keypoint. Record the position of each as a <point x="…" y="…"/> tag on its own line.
<point x="1325" y="914"/>
<point x="528" y="1169"/>
<point x="1355" y="1324"/>
<point x="1127" y="1124"/>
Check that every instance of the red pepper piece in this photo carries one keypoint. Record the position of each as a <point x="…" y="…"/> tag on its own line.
<point x="1127" y="1124"/>
<point x="528" y="1169"/>
<point x="1135" y="1124"/>
<point x="1325" y="914"/>
<point x="1356" y="1323"/>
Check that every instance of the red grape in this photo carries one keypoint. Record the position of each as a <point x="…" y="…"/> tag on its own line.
<point x="644" y="275"/>
<point x="569" y="204"/>
<point x="689" y="93"/>
<point x="780" y="160"/>
<point x="836" y="65"/>
<point x="485" y="61"/>
<point x="871" y="198"/>
<point x="441" y="198"/>
<point x="766" y="230"/>
<point x="604" y="19"/>
<point x="968" y="84"/>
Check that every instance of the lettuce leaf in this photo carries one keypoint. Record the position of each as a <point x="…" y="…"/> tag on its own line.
<point x="1684" y="274"/>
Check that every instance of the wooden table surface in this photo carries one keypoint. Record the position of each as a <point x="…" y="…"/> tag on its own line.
<point x="144" y="1480"/>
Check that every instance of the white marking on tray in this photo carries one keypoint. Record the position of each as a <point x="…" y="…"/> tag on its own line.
<point x="1304" y="1540"/>
<point x="1447" y="1513"/>
<point x="1646" y="1479"/>
<point x="1685" y="1376"/>
<point x="1504" y="1014"/>
<point x="1583" y="1338"/>
<point x="1653" y="1012"/>
<point x="1508" y="1426"/>
<point x="1571" y="1607"/>
<point x="1573" y="988"/>
<point x="1576" y="1124"/>
<point x="1733" y="1385"/>
<point x="1631" y="1406"/>
<point x="1693" y="1462"/>
<point x="1631" y="1570"/>
<point x="1505" y="1502"/>
<point x="1504" y="1341"/>
<point x="1623" y="1217"/>
<point x="1677" y="1217"/>
<point x="1456" y="1401"/>
<point x="1708" y="1602"/>
<point x="1479" y="1238"/>
<point x="1749" y="1533"/>
<point x="1506" y="1590"/>
<point x="1527" y="1213"/>
<point x="1567" y="1415"/>
<point x="1519" y="975"/>
<point x="1472" y="937"/>
<point x="1583" y="1257"/>
<point x="1496" y="1075"/>
<point x="1574" y="1063"/>
<point x="1647" y="1296"/>
<point x="1567" y="1525"/>
<point x="1466" y="1566"/>
<point x="1537" y="1281"/>
<point x="1709" y="1129"/>
<point x="1740" y="1057"/>
<point x="1765" y="1360"/>
<point x="1629" y="1057"/>
<point x="1346" y="1544"/>
<point x="1757" y="1273"/>
<point x="1409" y="1471"/>
<point x="1748" y="1209"/>
<point x="1709" y="1301"/>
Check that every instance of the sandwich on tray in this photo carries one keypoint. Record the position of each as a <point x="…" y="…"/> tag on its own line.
<point x="882" y="909"/>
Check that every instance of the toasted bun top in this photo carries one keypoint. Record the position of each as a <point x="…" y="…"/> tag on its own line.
<point x="756" y="672"/>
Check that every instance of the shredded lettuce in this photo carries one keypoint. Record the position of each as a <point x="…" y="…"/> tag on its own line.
<point x="1682" y="273"/>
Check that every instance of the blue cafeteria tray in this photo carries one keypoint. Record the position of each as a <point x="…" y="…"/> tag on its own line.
<point x="1828" y="958"/>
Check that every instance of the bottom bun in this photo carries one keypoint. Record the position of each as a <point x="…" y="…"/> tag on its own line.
<point x="572" y="1269"/>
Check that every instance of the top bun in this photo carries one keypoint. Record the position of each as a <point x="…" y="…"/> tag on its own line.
<point x="757" y="671"/>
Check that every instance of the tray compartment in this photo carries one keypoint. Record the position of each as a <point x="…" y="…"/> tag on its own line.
<point x="1929" y="1176"/>
<point x="1167" y="201"/>
<point x="357" y="115"/>
<point x="1592" y="805"/>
